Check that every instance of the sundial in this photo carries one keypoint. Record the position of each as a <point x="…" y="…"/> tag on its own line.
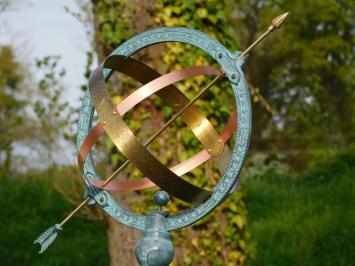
<point x="155" y="247"/>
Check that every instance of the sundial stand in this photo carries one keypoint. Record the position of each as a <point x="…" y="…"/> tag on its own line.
<point x="155" y="247"/>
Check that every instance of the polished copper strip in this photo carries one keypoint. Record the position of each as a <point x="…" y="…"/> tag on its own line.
<point x="179" y="169"/>
<point x="88" y="143"/>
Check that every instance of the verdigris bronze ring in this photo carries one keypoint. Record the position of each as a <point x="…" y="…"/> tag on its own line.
<point x="98" y="98"/>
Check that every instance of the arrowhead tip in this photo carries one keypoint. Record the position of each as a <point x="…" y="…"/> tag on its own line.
<point x="277" y="22"/>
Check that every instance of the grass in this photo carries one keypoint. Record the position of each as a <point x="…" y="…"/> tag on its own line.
<point x="306" y="220"/>
<point x="30" y="206"/>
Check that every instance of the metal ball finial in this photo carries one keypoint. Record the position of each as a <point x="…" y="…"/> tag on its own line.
<point x="161" y="198"/>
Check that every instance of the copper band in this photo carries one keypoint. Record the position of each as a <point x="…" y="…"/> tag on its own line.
<point x="129" y="145"/>
<point x="179" y="169"/>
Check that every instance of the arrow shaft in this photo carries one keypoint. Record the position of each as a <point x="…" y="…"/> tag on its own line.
<point x="70" y="215"/>
<point x="262" y="37"/>
<point x="276" y="23"/>
<point x="149" y="141"/>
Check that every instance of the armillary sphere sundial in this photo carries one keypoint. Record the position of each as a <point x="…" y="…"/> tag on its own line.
<point x="155" y="247"/>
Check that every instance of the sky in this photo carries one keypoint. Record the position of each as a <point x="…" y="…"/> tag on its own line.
<point x="39" y="28"/>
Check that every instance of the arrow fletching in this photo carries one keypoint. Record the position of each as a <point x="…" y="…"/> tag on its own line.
<point x="47" y="238"/>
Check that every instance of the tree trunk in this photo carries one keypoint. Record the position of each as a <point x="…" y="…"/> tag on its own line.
<point x="122" y="240"/>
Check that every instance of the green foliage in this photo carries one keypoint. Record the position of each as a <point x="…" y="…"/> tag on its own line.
<point x="305" y="220"/>
<point x="49" y="89"/>
<point x="9" y="69"/>
<point x="31" y="115"/>
<point x="260" y="165"/>
<point x="308" y="77"/>
<point x="53" y="112"/>
<point x="210" y="16"/>
<point x="31" y="205"/>
<point x="113" y="18"/>
<point x="221" y="238"/>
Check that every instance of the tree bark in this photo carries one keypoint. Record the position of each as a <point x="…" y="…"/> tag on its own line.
<point x="122" y="240"/>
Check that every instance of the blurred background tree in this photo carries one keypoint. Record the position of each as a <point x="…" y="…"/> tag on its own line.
<point x="55" y="117"/>
<point x="308" y="77"/>
<point x="11" y="105"/>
